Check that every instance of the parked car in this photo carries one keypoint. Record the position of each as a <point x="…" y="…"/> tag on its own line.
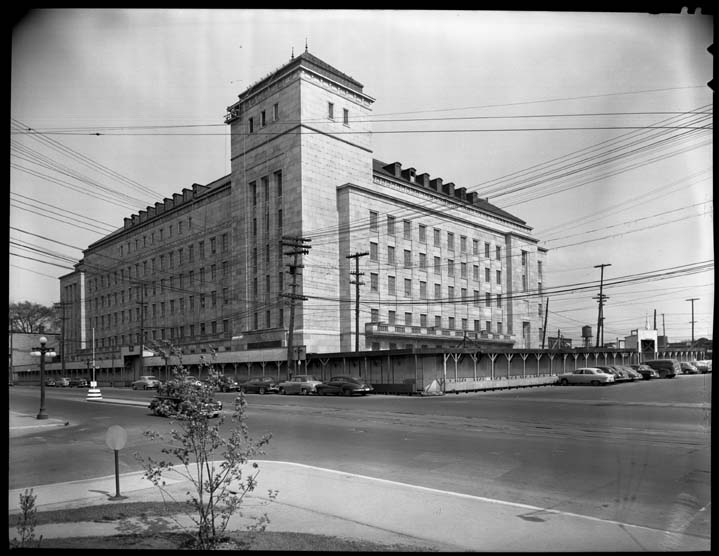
<point x="171" y="406"/>
<point x="226" y="383"/>
<point x="146" y="383"/>
<point x="703" y="366"/>
<point x="193" y="380"/>
<point x="688" y="368"/>
<point x="620" y="374"/>
<point x="667" y="368"/>
<point x="62" y="382"/>
<point x="587" y="375"/>
<point x="259" y="385"/>
<point x="344" y="385"/>
<point x="646" y="371"/>
<point x="299" y="384"/>
<point x="78" y="382"/>
<point x="634" y="375"/>
<point x="50" y="382"/>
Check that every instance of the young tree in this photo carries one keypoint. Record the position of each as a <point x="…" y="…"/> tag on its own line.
<point x="218" y="485"/>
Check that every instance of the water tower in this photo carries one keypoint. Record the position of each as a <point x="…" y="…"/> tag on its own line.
<point x="586" y="335"/>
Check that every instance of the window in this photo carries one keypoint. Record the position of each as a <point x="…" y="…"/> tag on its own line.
<point x="499" y="328"/>
<point x="190" y="254"/>
<point x="407" y="258"/>
<point x="462" y="244"/>
<point x="438" y="321"/>
<point x="437" y="237"/>
<point x="200" y="249"/>
<point x="253" y="192"/>
<point x="390" y="225"/>
<point x="488" y="326"/>
<point x="451" y="323"/>
<point x="391" y="285"/>
<point x="475" y="272"/>
<point x="476" y="297"/>
<point x="423" y="320"/>
<point x="407" y="287"/>
<point x="487" y="299"/>
<point x="390" y="254"/>
<point x="499" y="277"/>
<point x="463" y="294"/>
<point x="422" y="233"/>
<point x="408" y="319"/>
<point x="524" y="282"/>
<point x="475" y="247"/>
<point x="486" y="274"/>
<point x="224" y="241"/>
<point x="179" y="227"/>
<point x="498" y="251"/>
<point x="476" y="325"/>
<point x="437" y="292"/>
<point x="422" y="261"/>
<point x="345" y="116"/>
<point x="263" y="119"/>
<point x="450" y="292"/>
<point x="499" y="300"/>
<point x="372" y="251"/>
<point x="437" y="266"/>
<point x="251" y="123"/>
<point x="539" y="270"/>
<point x="450" y="241"/>
<point x="390" y="317"/>
<point x="450" y="267"/>
<point x="374" y="315"/>
<point x="486" y="249"/>
<point x="213" y="245"/>
<point x="373" y="281"/>
<point x="407" y="229"/>
<point x="464" y="324"/>
<point x="373" y="218"/>
<point x="275" y="112"/>
<point x="463" y="270"/>
<point x="422" y="290"/>
<point x="331" y="110"/>
<point x="213" y="295"/>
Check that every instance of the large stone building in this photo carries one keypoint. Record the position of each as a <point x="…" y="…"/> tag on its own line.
<point x="207" y="267"/>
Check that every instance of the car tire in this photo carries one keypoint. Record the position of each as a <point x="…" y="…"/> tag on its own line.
<point x="303" y="391"/>
<point x="564" y="382"/>
<point x="261" y="391"/>
<point x="144" y="386"/>
<point x="283" y="392"/>
<point x="347" y="392"/>
<point x="595" y="383"/>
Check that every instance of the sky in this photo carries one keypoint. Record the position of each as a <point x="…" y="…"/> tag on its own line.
<point x="547" y="114"/>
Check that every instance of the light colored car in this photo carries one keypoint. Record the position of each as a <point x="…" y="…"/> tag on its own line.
<point x="146" y="383"/>
<point x="62" y="382"/>
<point x="703" y="365"/>
<point x="688" y="368"/>
<point x="300" y="384"/>
<point x="586" y="375"/>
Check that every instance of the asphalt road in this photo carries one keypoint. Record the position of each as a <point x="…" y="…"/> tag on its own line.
<point x="636" y="453"/>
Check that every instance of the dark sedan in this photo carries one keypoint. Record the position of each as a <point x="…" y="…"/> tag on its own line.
<point x="345" y="386"/>
<point x="259" y="385"/>
<point x="646" y="371"/>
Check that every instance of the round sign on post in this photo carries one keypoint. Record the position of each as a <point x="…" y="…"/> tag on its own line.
<point x="115" y="438"/>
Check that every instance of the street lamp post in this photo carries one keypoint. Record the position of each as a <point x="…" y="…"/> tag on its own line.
<point x="42" y="351"/>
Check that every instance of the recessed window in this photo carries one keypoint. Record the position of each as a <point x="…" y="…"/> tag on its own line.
<point x="345" y="116"/>
<point x="275" y="112"/>
<point x="251" y="123"/>
<point x="263" y="119"/>
<point x="331" y="110"/>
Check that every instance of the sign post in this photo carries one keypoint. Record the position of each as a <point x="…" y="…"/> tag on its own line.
<point x="115" y="438"/>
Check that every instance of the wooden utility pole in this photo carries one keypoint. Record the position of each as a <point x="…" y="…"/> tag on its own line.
<point x="299" y="246"/>
<point x="601" y="298"/>
<point x="693" y="299"/>
<point x="62" y="335"/>
<point x="356" y="273"/>
<point x="544" y="330"/>
<point x="141" y="303"/>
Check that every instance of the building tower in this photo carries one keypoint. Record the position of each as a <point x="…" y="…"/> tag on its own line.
<point x="296" y="135"/>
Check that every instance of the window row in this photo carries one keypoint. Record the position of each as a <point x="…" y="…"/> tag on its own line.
<point x="261" y="193"/>
<point x="261" y="119"/>
<point x="157" y="236"/>
<point x="437" y="322"/>
<point x="173" y="333"/>
<point x="438" y="294"/>
<point x="437" y="236"/>
<point x="331" y="113"/>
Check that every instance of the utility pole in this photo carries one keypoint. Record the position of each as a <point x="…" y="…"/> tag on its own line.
<point x="141" y="303"/>
<point x="299" y="246"/>
<point x="692" y="299"/>
<point x="356" y="273"/>
<point x="62" y="335"/>
<point x="655" y="319"/>
<point x="601" y="298"/>
<point x="544" y="330"/>
<point x="664" y="330"/>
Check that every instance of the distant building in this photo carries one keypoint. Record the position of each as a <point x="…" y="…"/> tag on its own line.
<point x="207" y="268"/>
<point x="20" y="346"/>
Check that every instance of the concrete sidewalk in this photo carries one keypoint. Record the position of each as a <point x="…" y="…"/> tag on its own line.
<point x="329" y="502"/>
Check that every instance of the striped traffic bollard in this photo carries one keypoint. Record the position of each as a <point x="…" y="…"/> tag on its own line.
<point x="93" y="393"/>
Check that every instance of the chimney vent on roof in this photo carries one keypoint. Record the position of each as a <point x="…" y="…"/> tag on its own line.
<point x="423" y="179"/>
<point x="436" y="184"/>
<point x="472" y="197"/>
<point x="409" y="174"/>
<point x="461" y="193"/>
<point x="448" y="188"/>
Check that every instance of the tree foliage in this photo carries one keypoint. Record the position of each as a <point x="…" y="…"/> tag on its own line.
<point x="217" y="467"/>
<point x="33" y="318"/>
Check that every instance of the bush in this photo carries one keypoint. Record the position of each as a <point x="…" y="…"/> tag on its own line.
<point x="218" y="485"/>
<point x="26" y="522"/>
